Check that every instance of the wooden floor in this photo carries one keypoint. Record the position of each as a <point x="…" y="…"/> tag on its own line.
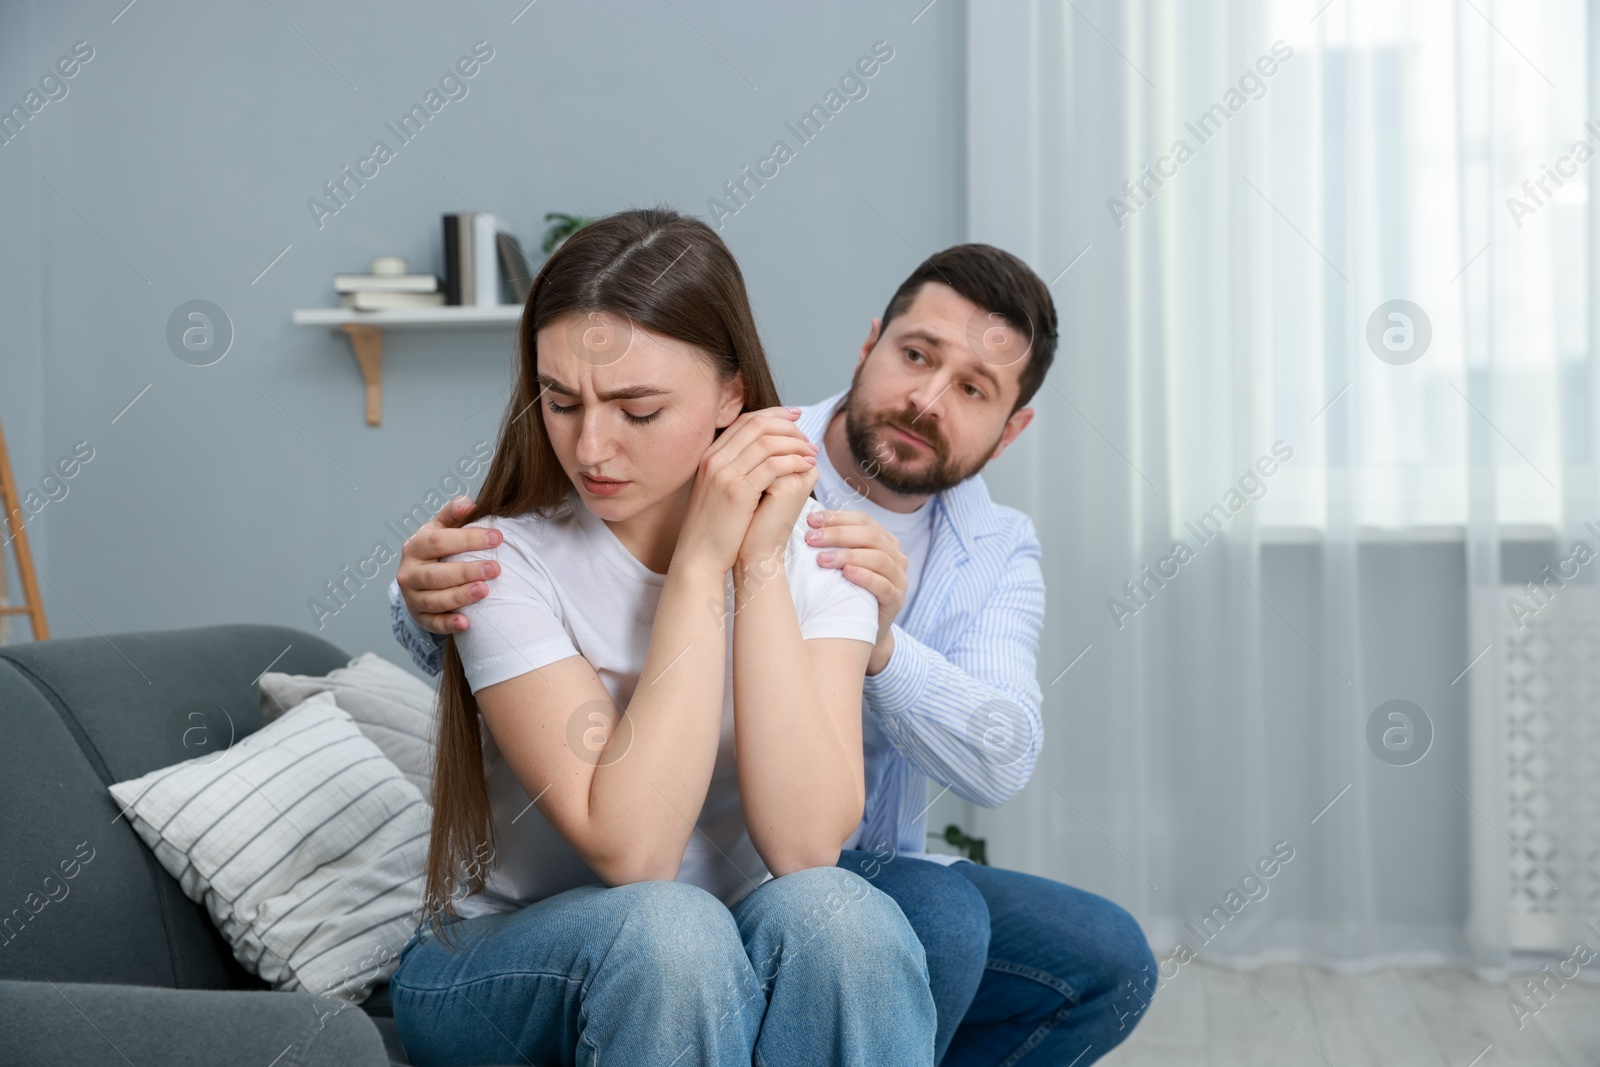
<point x="1288" y="1015"/>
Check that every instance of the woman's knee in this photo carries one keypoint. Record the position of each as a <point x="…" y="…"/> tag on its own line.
<point x="833" y="914"/>
<point x="677" y="925"/>
<point x="658" y="954"/>
<point x="666" y="920"/>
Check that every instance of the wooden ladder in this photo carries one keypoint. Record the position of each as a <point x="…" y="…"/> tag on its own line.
<point x="32" y="604"/>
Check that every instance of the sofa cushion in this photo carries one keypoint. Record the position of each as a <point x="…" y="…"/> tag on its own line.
<point x="103" y="709"/>
<point x="73" y="1025"/>
<point x="304" y="842"/>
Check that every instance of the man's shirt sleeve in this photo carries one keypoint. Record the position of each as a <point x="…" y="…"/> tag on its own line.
<point x="425" y="649"/>
<point x="971" y="718"/>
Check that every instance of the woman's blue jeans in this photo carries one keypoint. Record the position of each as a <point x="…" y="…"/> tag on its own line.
<point x="816" y="967"/>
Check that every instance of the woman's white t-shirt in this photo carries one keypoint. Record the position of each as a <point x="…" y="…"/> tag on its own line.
<point x="568" y="586"/>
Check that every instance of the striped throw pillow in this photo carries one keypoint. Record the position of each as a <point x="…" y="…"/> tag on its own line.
<point x="303" y="841"/>
<point x="387" y="702"/>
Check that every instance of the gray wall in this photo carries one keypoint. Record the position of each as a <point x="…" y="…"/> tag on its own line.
<point x="189" y="146"/>
<point x="179" y="165"/>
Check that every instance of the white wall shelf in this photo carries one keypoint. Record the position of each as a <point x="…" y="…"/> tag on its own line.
<point x="365" y="330"/>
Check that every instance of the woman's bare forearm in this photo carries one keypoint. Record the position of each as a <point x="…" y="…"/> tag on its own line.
<point x="644" y="798"/>
<point x="801" y="793"/>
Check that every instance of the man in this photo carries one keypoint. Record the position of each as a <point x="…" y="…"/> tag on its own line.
<point x="1021" y="968"/>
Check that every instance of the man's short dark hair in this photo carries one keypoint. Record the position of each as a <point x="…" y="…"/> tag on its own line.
<point x="998" y="282"/>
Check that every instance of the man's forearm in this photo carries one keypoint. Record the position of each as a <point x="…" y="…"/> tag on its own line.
<point x="968" y="715"/>
<point x="978" y="738"/>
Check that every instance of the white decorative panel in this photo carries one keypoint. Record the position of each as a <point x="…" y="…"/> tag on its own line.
<point x="1552" y="769"/>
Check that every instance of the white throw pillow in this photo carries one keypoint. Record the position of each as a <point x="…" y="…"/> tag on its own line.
<point x="304" y="843"/>
<point x="388" y="703"/>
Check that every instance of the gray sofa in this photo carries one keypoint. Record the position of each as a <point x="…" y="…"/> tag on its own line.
<point x="114" y="964"/>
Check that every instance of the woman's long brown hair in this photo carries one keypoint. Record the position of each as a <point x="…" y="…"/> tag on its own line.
<point x="665" y="272"/>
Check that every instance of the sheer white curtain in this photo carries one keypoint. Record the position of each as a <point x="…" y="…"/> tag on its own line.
<point x="1322" y="405"/>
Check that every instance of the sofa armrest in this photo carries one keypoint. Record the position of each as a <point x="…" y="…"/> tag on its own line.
<point x="77" y="1023"/>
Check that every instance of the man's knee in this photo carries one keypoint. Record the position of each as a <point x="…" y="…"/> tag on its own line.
<point x="1128" y="948"/>
<point x="960" y="918"/>
<point x="1128" y="967"/>
<point x="947" y="911"/>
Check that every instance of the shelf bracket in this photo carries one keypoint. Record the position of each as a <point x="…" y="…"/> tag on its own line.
<point x="367" y="344"/>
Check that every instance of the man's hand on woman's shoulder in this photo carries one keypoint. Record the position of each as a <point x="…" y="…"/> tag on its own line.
<point x="868" y="555"/>
<point x="433" y="589"/>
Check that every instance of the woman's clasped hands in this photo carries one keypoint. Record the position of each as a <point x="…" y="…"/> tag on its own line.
<point x="749" y="490"/>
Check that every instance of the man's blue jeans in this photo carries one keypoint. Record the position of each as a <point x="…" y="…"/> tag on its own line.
<point x="815" y="967"/>
<point x="1022" y="969"/>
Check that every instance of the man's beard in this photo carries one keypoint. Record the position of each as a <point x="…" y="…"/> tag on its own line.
<point x="924" y="479"/>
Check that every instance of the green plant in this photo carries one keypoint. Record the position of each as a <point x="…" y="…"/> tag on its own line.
<point x="974" y="848"/>
<point x="562" y="226"/>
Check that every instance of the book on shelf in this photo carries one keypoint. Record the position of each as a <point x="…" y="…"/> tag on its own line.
<point x="379" y="301"/>
<point x="460" y="258"/>
<point x="519" y="277"/>
<point x="486" y="260"/>
<point x="475" y="260"/>
<point x="452" y="259"/>
<point x="385" y="283"/>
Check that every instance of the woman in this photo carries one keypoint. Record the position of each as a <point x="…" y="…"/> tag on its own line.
<point x="672" y="693"/>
